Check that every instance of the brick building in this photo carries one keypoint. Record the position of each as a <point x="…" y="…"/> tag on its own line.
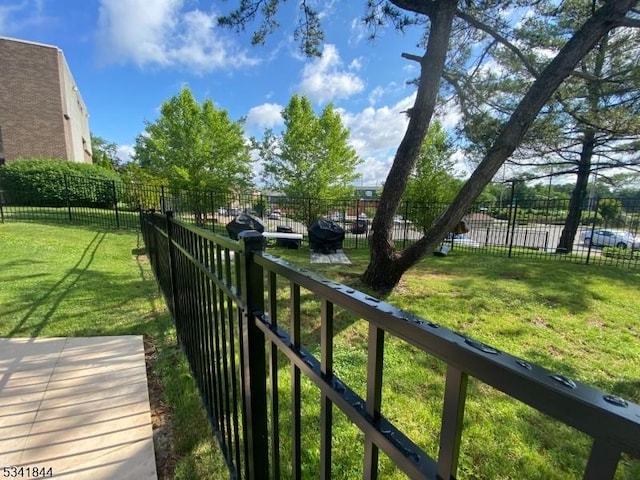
<point x="41" y="111"/>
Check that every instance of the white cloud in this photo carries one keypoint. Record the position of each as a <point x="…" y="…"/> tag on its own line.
<point x="373" y="171"/>
<point x="356" y="64"/>
<point x="450" y="117"/>
<point x="160" y="33"/>
<point x="267" y="115"/>
<point x="375" y="95"/>
<point x="376" y="134"/>
<point x="375" y="131"/>
<point x="358" y="31"/>
<point x="125" y="153"/>
<point x="323" y="79"/>
<point x="16" y="17"/>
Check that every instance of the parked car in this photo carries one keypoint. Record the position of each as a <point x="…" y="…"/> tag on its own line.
<point x="359" y="226"/>
<point x="337" y="216"/>
<point x="610" y="238"/>
<point x="274" y="216"/>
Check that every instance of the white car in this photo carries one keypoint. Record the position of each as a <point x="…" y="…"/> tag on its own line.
<point x="462" y="239"/>
<point x="610" y="238"/>
<point x="337" y="216"/>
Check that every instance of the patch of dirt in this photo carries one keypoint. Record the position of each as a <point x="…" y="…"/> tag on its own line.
<point x="166" y="458"/>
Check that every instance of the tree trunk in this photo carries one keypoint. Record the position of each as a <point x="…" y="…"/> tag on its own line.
<point x="565" y="244"/>
<point x="387" y="266"/>
<point x="383" y="274"/>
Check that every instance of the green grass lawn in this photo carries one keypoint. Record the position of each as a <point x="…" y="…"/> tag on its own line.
<point x="77" y="281"/>
<point x="581" y="321"/>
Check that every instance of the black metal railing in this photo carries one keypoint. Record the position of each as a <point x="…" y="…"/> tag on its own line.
<point x="239" y="318"/>
<point x="511" y="228"/>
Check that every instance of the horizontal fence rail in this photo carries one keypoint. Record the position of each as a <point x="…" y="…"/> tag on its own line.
<point x="607" y="231"/>
<point x="240" y="315"/>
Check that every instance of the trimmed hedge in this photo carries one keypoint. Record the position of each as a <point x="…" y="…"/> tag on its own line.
<point x="58" y="183"/>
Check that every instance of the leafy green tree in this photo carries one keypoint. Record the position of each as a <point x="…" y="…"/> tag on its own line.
<point x="105" y="153"/>
<point x="431" y="184"/>
<point x="195" y="147"/>
<point x="437" y="18"/>
<point x="311" y="158"/>
<point x="610" y="209"/>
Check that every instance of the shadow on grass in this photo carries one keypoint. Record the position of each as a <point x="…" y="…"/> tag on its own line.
<point x="54" y="296"/>
<point x="85" y="301"/>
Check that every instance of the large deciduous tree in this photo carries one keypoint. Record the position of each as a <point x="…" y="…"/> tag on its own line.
<point x="387" y="264"/>
<point x="195" y="147"/>
<point x="311" y="158"/>
<point x="432" y="182"/>
<point x="104" y="153"/>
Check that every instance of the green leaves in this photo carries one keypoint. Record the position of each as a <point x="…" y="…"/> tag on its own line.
<point x="195" y="146"/>
<point x="104" y="153"/>
<point x="44" y="182"/>
<point x="432" y="180"/>
<point x="311" y="158"/>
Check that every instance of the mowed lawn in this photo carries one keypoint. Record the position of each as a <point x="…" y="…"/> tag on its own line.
<point x="581" y="321"/>
<point x="75" y="281"/>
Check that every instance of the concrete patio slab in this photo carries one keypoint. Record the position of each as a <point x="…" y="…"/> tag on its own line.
<point x="75" y="408"/>
<point x="338" y="257"/>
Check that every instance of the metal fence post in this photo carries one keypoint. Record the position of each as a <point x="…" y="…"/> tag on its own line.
<point x="593" y="227"/>
<point x="406" y="227"/>
<point x="68" y="196"/>
<point x="357" y="217"/>
<point x="1" y="207"/>
<point x="254" y="375"/>
<point x="162" y="199"/>
<point x="513" y="226"/>
<point x="115" y="202"/>
<point x="172" y="270"/>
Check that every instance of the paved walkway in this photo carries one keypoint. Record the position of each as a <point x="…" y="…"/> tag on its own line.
<point x="75" y="408"/>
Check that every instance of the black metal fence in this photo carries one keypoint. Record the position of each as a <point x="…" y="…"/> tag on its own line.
<point x="240" y="315"/>
<point x="607" y="233"/>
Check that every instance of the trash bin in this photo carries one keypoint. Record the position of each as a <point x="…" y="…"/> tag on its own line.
<point x="286" y="242"/>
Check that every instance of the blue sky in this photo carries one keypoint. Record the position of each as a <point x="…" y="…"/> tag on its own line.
<point x="128" y="56"/>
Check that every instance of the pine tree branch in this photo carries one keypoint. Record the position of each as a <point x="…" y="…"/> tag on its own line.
<point x="416" y="6"/>
<point x="474" y="22"/>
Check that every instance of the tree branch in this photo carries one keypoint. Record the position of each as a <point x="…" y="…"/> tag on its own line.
<point x="415" y="6"/>
<point x="474" y="22"/>
<point x="630" y="22"/>
<point x="410" y="56"/>
<point x="583" y="41"/>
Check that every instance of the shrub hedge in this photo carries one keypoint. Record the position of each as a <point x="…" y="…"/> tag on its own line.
<point x="57" y="183"/>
